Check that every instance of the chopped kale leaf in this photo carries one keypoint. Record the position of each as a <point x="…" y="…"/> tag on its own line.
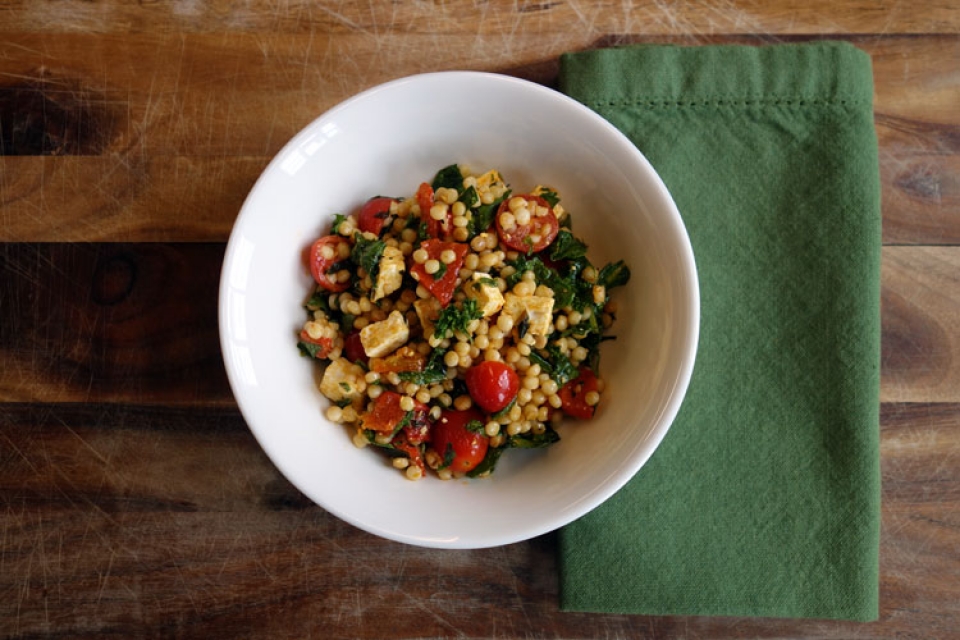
<point x="567" y="247"/>
<point x="366" y="254"/>
<point x="449" y="177"/>
<point x="613" y="275"/>
<point x="457" y="318"/>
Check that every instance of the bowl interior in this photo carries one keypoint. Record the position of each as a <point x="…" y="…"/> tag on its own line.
<point x="386" y="141"/>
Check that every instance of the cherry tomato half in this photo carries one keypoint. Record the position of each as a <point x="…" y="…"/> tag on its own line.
<point x="324" y="257"/>
<point x="443" y="287"/>
<point x="374" y="213"/>
<point x="492" y="385"/>
<point x="573" y="395"/>
<point x="450" y="434"/>
<point x="534" y="236"/>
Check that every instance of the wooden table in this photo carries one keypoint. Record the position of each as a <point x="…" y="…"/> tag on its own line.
<point x="133" y="499"/>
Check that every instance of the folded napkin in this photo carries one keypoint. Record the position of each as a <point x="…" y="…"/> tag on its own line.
<point x="764" y="497"/>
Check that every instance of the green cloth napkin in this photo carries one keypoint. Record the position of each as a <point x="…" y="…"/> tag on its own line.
<point x="764" y="497"/>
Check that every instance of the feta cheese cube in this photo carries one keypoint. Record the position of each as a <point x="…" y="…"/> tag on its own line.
<point x="343" y="380"/>
<point x="537" y="310"/>
<point x="484" y="290"/>
<point x="539" y="314"/>
<point x="385" y="337"/>
<point x="390" y="274"/>
<point x="428" y="310"/>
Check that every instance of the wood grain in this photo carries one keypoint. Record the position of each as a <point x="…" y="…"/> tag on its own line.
<point x="212" y="541"/>
<point x="110" y="322"/>
<point x="490" y="17"/>
<point x="130" y="139"/>
<point x="134" y="502"/>
<point x="920" y="305"/>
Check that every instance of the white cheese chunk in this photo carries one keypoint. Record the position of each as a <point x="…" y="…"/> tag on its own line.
<point x="484" y="290"/>
<point x="390" y="274"/>
<point x="343" y="380"/>
<point x="537" y="310"/>
<point x="428" y="310"/>
<point x="385" y="337"/>
<point x="539" y="314"/>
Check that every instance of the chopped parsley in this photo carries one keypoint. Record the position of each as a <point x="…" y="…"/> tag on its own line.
<point x="457" y="318"/>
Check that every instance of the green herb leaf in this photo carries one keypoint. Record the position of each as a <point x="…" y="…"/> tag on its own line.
<point x="449" y="177"/>
<point x="484" y="215"/>
<point x="567" y="247"/>
<point x="613" y="275"/>
<point x="523" y="326"/>
<point x="506" y="409"/>
<point x="338" y="219"/>
<point x="555" y="364"/>
<point x="309" y="349"/>
<point x="569" y="290"/>
<point x="550" y="196"/>
<point x="441" y="271"/>
<point x="434" y="372"/>
<point x="488" y="463"/>
<point x="366" y="254"/>
<point x="531" y="440"/>
<point x="527" y="440"/>
<point x="475" y="426"/>
<point x="404" y="421"/>
<point x="448" y="457"/>
<point x="457" y="318"/>
<point x="318" y="301"/>
<point x="469" y="197"/>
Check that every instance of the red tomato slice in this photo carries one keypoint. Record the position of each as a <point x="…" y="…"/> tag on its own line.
<point x="405" y="358"/>
<point x="443" y="287"/>
<point x="387" y="413"/>
<point x="435" y="228"/>
<point x="353" y="348"/>
<point x="325" y="344"/>
<point x="573" y="395"/>
<point x="373" y="214"/>
<point x="323" y="267"/>
<point x="450" y="434"/>
<point x="492" y="385"/>
<point x="413" y="452"/>
<point x="533" y="236"/>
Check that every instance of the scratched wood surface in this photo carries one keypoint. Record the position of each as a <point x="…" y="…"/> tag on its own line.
<point x="134" y="500"/>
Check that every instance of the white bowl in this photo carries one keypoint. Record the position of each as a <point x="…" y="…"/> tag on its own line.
<point x="386" y="141"/>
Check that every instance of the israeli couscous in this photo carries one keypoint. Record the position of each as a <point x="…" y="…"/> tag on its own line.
<point x="457" y="323"/>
